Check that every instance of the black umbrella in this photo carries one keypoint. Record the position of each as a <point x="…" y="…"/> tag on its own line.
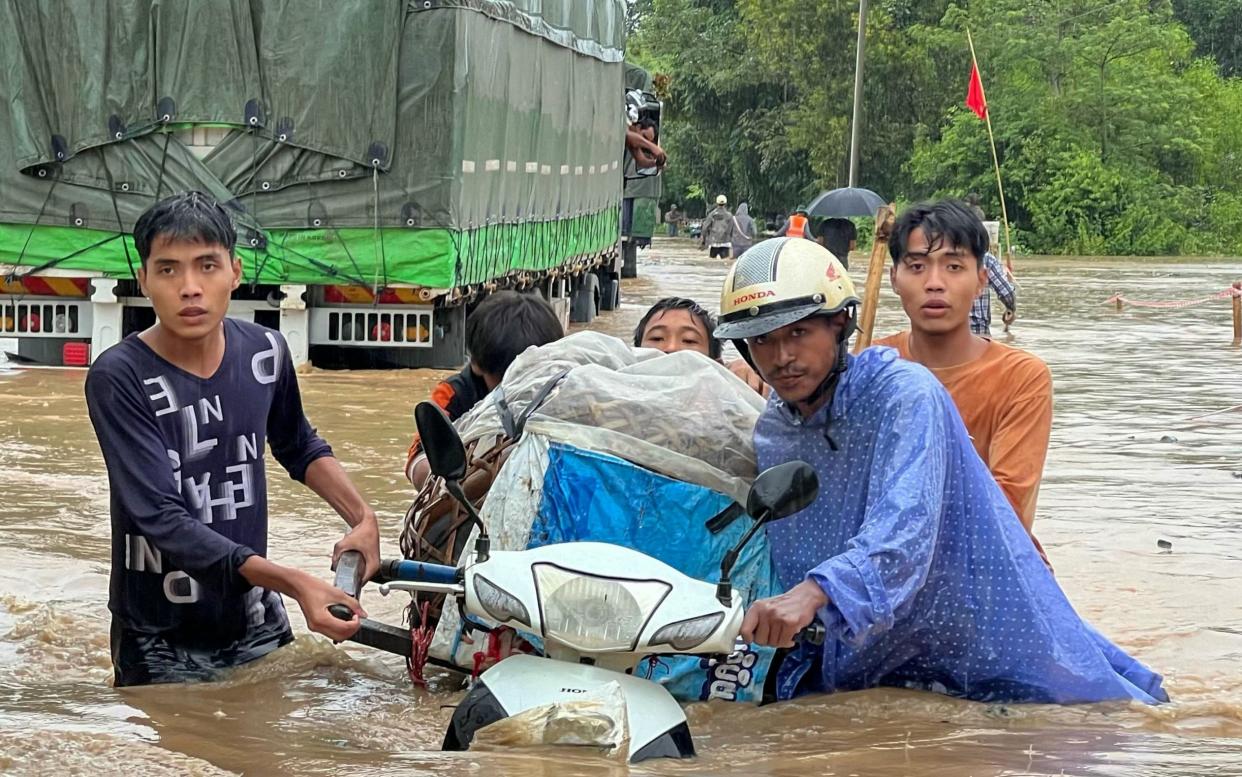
<point x="842" y="203"/>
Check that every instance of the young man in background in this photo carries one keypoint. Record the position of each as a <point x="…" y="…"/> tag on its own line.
<point x="1003" y="394"/>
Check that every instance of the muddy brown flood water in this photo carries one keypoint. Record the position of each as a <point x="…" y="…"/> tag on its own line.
<point x="1132" y="462"/>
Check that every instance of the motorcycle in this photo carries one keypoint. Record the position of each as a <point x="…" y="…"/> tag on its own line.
<point x="597" y="608"/>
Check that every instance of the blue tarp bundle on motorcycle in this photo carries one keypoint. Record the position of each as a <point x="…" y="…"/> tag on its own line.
<point x="593" y="496"/>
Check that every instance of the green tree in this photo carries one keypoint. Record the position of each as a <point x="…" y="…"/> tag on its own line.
<point x="1102" y="124"/>
<point x="725" y="124"/>
<point x="1114" y="133"/>
<point x="1216" y="26"/>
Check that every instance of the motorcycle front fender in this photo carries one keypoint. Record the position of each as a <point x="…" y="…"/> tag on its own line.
<point x="657" y="724"/>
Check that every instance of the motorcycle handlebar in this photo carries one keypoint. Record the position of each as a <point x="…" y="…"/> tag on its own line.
<point x="418" y="572"/>
<point x="813" y="634"/>
<point x="350" y="568"/>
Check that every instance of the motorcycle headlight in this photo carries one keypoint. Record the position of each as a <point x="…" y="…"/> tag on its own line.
<point x="688" y="634"/>
<point x="595" y="614"/>
<point x="499" y="603"/>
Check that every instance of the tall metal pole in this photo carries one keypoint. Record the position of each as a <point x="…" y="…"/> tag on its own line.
<point x="858" y="90"/>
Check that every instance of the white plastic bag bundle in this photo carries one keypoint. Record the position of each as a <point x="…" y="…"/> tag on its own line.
<point x="681" y="414"/>
<point x="597" y="719"/>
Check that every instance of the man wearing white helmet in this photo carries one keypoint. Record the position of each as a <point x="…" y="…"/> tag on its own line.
<point x="911" y="556"/>
<point x="717" y="234"/>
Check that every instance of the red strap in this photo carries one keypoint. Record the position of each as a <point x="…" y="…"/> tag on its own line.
<point x="420" y="646"/>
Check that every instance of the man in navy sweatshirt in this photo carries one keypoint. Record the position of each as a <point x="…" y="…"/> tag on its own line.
<point x="183" y="412"/>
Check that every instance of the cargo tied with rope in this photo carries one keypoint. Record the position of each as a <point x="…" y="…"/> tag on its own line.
<point x="589" y="440"/>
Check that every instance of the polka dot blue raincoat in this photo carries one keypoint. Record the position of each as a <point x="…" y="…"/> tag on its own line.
<point x="932" y="581"/>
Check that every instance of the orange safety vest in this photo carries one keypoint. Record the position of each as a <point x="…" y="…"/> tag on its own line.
<point x="797" y="226"/>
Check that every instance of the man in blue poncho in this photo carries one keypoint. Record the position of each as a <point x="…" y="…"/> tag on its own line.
<point x="911" y="556"/>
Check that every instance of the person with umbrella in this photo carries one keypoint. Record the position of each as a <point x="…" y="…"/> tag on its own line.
<point x="839" y="236"/>
<point x="836" y="207"/>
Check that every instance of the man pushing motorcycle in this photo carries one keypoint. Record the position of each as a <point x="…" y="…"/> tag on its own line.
<point x="911" y="556"/>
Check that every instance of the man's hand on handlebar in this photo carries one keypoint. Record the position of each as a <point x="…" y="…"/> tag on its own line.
<point x="778" y="621"/>
<point x="314" y="597"/>
<point x="363" y="538"/>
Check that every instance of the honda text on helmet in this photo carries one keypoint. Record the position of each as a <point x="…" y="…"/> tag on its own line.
<point x="780" y="282"/>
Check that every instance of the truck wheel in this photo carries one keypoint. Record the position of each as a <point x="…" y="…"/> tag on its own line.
<point x="610" y="294"/>
<point x="629" y="265"/>
<point x="582" y="304"/>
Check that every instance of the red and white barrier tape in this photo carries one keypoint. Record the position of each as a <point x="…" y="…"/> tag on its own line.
<point x="1233" y="291"/>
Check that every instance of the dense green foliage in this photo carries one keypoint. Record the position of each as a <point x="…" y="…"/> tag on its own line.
<point x="1118" y="123"/>
<point x="1216" y="26"/>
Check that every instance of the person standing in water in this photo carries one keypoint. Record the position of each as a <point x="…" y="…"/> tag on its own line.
<point x="504" y="325"/>
<point x="673" y="219"/>
<point x="718" y="230"/>
<point x="744" y="231"/>
<point x="678" y="324"/>
<point x="839" y="236"/>
<point x="1004" y="395"/>
<point x="998" y="280"/>
<point x="183" y="412"/>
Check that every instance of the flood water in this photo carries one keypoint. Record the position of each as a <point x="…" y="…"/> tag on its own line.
<point x="1140" y="453"/>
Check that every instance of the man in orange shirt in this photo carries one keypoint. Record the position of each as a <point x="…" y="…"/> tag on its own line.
<point x="1003" y="394"/>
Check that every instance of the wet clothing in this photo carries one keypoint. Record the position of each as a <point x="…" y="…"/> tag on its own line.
<point x="796" y="226"/>
<point x="1005" y="400"/>
<point x="147" y="658"/>
<point x="981" y="309"/>
<point x="717" y="228"/>
<point x="744" y="232"/>
<point x="719" y="252"/>
<point x="188" y="500"/>
<point x="932" y="583"/>
<point x="673" y="219"/>
<point x="456" y="396"/>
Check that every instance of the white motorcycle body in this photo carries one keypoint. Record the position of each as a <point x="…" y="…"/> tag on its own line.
<point x="599" y="608"/>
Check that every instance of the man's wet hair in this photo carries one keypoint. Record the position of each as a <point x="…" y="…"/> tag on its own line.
<point x="190" y="217"/>
<point x="945" y="221"/>
<point x="838" y="234"/>
<point x="504" y="325"/>
<point x="704" y="317"/>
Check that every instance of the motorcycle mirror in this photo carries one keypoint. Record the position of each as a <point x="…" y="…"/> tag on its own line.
<point x="445" y="452"/>
<point x="778" y="492"/>
<point x="782" y="491"/>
